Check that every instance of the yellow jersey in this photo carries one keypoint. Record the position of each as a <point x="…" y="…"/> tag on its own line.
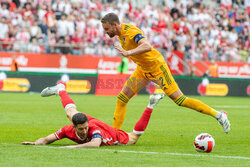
<point x="129" y="38"/>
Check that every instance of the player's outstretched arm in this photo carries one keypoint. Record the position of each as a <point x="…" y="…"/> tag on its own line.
<point x="96" y="142"/>
<point x="144" y="46"/>
<point x="42" y="141"/>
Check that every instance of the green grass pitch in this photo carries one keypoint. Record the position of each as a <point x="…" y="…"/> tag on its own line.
<point x="168" y="140"/>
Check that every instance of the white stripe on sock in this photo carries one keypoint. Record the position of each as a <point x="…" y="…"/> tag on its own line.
<point x="69" y="106"/>
<point x="138" y="132"/>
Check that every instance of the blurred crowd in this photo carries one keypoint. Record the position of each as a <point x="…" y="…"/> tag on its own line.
<point x="210" y="30"/>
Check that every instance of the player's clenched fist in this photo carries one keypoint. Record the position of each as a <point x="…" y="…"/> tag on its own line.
<point x="121" y="50"/>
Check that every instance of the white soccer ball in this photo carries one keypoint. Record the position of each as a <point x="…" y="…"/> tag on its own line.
<point x="204" y="142"/>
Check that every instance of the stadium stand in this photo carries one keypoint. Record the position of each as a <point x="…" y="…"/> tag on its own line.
<point x="202" y="30"/>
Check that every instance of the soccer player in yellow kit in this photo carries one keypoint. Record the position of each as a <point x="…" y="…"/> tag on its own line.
<point x="151" y="66"/>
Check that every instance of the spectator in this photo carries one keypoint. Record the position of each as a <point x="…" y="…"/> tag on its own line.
<point x="89" y="49"/>
<point x="26" y="22"/>
<point x="66" y="47"/>
<point x="27" y="12"/>
<point x="17" y="46"/>
<point x="23" y="35"/>
<point x="4" y="12"/>
<point x="70" y="25"/>
<point x="44" y="27"/>
<point x="238" y="27"/>
<point x="41" y="12"/>
<point x="12" y="5"/>
<point x="58" y="46"/>
<point x="57" y="12"/>
<point x="50" y="17"/>
<point x="62" y="26"/>
<point x="3" y="27"/>
<point x="16" y="17"/>
<point x="14" y="64"/>
<point x="80" y="24"/>
<point x="33" y="47"/>
<point x="106" y="51"/>
<point x="203" y="30"/>
<point x="76" y="41"/>
<point x="51" y="42"/>
<point x="7" y="43"/>
<point x="63" y="6"/>
<point x="232" y="37"/>
<point x="99" y="49"/>
<point x="35" y="30"/>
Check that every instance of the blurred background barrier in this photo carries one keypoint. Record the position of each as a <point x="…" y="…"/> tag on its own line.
<point x="91" y="64"/>
<point x="110" y="84"/>
<point x="75" y="83"/>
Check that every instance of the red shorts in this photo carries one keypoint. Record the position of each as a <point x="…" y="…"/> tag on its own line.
<point x="122" y="137"/>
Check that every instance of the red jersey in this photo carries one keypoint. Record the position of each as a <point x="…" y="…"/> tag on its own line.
<point x="110" y="135"/>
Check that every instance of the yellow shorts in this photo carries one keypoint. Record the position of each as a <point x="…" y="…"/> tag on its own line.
<point x="161" y="76"/>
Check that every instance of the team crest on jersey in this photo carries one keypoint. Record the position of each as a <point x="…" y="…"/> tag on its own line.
<point x="126" y="27"/>
<point x="124" y="39"/>
<point x="59" y="131"/>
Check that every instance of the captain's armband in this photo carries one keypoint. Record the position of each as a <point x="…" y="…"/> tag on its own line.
<point x="138" y="37"/>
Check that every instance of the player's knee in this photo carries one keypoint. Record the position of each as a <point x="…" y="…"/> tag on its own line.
<point x="127" y="91"/>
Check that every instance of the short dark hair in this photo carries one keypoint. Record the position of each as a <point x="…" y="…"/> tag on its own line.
<point x="79" y="118"/>
<point x="110" y="18"/>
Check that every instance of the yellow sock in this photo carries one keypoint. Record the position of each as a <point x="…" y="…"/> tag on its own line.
<point x="120" y="110"/>
<point x="195" y="105"/>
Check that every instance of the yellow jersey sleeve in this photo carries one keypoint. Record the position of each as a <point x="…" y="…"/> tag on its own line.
<point x="129" y="38"/>
<point x="135" y="34"/>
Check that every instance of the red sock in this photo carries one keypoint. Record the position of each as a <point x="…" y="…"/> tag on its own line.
<point x="141" y="125"/>
<point x="65" y="98"/>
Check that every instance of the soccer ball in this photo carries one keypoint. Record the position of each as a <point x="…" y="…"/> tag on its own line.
<point x="204" y="142"/>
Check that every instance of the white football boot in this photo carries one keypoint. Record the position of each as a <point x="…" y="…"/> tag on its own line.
<point x="53" y="90"/>
<point x="154" y="100"/>
<point x="222" y="119"/>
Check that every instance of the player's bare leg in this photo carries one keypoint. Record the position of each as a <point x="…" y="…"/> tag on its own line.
<point x="70" y="111"/>
<point x="133" y="138"/>
<point x="141" y="125"/>
<point x="67" y="102"/>
<point x="199" y="106"/>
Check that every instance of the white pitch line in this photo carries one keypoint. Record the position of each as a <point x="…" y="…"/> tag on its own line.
<point x="143" y="152"/>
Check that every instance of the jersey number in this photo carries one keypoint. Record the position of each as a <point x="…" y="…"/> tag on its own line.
<point x="161" y="79"/>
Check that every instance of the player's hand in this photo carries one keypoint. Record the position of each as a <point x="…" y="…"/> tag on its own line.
<point x="28" y="143"/>
<point x="121" y="50"/>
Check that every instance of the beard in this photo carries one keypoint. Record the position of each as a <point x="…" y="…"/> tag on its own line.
<point x="82" y="136"/>
<point x="111" y="35"/>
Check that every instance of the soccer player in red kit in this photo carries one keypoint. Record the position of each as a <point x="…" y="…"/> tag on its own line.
<point x="88" y="131"/>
